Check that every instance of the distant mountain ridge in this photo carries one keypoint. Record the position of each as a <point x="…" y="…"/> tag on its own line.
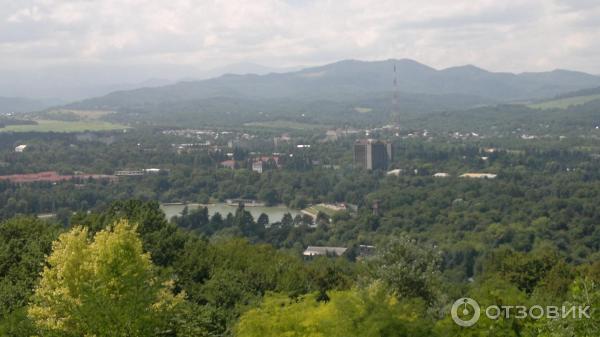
<point x="352" y="78"/>
<point x="335" y="90"/>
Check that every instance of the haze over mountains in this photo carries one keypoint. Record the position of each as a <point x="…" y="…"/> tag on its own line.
<point x="19" y="104"/>
<point x="251" y="88"/>
<point x="76" y="82"/>
<point x="351" y="80"/>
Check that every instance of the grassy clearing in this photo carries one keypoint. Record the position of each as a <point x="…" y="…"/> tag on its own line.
<point x="287" y="125"/>
<point x="82" y="114"/>
<point x="63" y="126"/>
<point x="564" y="103"/>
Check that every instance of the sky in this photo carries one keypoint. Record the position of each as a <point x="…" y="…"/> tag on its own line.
<point x="498" y="35"/>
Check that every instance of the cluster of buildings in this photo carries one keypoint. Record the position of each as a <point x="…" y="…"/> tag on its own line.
<point x="191" y="147"/>
<point x="52" y="177"/>
<point x="257" y="164"/>
<point x="261" y="163"/>
<point x="335" y="134"/>
<point x="463" y="136"/>
<point x="195" y="133"/>
<point x="398" y="172"/>
<point x="206" y="139"/>
<point x="311" y="251"/>
<point x="140" y="172"/>
<point x="362" y="251"/>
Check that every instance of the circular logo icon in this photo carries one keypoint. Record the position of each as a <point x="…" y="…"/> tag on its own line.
<point x="464" y="308"/>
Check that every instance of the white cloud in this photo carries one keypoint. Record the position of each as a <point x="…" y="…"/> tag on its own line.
<point x="510" y="35"/>
<point x="25" y="14"/>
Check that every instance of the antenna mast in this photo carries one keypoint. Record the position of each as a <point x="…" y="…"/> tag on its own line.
<point x="395" y="111"/>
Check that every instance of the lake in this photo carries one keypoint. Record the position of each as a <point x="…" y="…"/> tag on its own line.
<point x="275" y="213"/>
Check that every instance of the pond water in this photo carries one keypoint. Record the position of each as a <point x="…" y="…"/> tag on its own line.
<point x="275" y="213"/>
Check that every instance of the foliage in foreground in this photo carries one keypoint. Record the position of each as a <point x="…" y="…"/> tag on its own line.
<point x="364" y="313"/>
<point x="232" y="287"/>
<point x="102" y="287"/>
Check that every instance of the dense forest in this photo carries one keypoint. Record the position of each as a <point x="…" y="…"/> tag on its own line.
<point x="156" y="278"/>
<point x="528" y="237"/>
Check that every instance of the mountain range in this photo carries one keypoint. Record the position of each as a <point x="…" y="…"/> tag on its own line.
<point x="356" y="80"/>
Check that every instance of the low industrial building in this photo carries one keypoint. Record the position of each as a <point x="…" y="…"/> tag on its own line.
<point x="324" y="251"/>
<point x="479" y="175"/>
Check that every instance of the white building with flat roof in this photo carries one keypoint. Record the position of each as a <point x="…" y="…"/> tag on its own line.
<point x="324" y="251"/>
<point x="479" y="175"/>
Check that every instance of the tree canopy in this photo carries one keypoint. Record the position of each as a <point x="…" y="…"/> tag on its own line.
<point x="104" y="286"/>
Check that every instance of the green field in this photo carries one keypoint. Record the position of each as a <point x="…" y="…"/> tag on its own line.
<point x="63" y="126"/>
<point x="287" y="125"/>
<point x="564" y="103"/>
<point x="80" y="114"/>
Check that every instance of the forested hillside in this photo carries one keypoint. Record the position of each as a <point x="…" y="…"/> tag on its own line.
<point x="347" y="91"/>
<point x="528" y="236"/>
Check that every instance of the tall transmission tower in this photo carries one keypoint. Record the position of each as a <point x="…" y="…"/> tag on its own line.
<point x="395" y="111"/>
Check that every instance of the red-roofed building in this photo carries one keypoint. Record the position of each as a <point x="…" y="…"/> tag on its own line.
<point x="51" y="176"/>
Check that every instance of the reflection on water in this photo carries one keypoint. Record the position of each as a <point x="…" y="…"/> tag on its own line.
<point x="275" y="213"/>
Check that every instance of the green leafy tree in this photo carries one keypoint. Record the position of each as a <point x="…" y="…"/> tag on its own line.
<point x="326" y="274"/>
<point x="287" y="220"/>
<point x="163" y="240"/>
<point x="489" y="292"/>
<point x="236" y="277"/>
<point x="24" y="243"/>
<point x="525" y="270"/>
<point x="361" y="313"/>
<point x="408" y="269"/>
<point x="584" y="292"/>
<point x="106" y="286"/>
<point x="269" y="196"/>
<point x="263" y="220"/>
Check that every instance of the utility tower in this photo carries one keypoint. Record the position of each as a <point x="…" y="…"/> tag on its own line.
<point x="395" y="111"/>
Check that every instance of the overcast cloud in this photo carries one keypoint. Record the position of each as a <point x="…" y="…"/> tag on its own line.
<point x="500" y="35"/>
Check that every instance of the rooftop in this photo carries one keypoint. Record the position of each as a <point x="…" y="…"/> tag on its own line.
<point x="479" y="175"/>
<point x="324" y="251"/>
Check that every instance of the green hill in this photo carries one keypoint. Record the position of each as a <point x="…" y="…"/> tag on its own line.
<point x="329" y="94"/>
<point x="566" y="102"/>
